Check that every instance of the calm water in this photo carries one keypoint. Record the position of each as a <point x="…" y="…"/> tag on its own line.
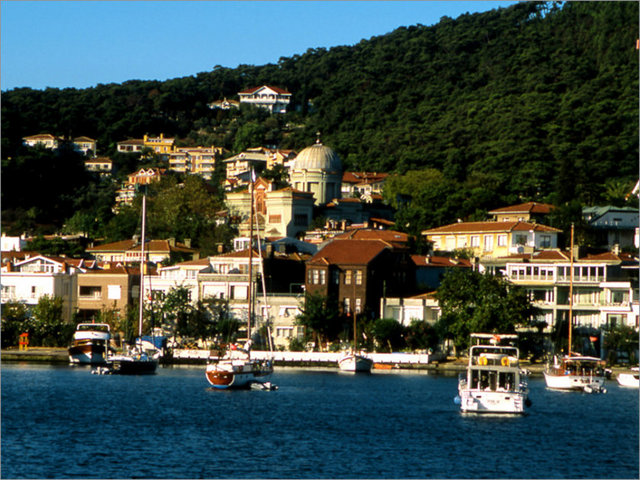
<point x="63" y="422"/>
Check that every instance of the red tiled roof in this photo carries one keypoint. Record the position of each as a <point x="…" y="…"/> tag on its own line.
<point x="132" y="141"/>
<point x="279" y="90"/>
<point x="437" y="261"/>
<point x="390" y="236"/>
<point x="487" y="227"/>
<point x="151" y="246"/>
<point x="363" y="177"/>
<point x="528" y="207"/>
<point x="352" y="252"/>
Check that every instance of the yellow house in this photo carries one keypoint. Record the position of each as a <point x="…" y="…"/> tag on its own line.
<point x="493" y="239"/>
<point x="160" y="145"/>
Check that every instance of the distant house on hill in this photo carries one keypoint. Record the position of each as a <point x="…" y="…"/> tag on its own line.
<point x="224" y="104"/>
<point x="274" y="99"/>
<point x="81" y="144"/>
<point x="362" y="183"/>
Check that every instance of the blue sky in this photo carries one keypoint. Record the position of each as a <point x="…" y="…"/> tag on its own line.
<point x="82" y="43"/>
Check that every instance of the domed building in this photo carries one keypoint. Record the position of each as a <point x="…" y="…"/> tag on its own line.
<point x="317" y="169"/>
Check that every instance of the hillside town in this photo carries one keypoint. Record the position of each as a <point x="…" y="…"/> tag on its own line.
<point x="355" y="257"/>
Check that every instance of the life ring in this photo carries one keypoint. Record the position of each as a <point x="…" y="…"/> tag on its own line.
<point x="505" y="361"/>
<point x="482" y="361"/>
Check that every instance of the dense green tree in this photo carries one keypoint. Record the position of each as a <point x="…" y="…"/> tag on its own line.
<point x="46" y="326"/>
<point x="15" y="317"/>
<point x="474" y="302"/>
<point x="320" y="318"/>
<point x="388" y="334"/>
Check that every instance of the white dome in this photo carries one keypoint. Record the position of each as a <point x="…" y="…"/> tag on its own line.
<point x="318" y="157"/>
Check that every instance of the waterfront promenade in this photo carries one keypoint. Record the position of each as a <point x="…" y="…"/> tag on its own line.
<point x="434" y="363"/>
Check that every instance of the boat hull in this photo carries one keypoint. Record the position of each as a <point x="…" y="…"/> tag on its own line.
<point x="224" y="376"/>
<point x="88" y="353"/>
<point x="132" y="366"/>
<point x="573" y="382"/>
<point x="630" y="380"/>
<point x="492" y="402"/>
<point x="355" y="363"/>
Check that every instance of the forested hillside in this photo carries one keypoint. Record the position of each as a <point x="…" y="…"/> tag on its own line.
<point x="538" y="101"/>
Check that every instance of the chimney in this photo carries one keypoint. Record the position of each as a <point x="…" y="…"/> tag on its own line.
<point x="220" y="248"/>
<point x="187" y="242"/>
<point x="616" y="249"/>
<point x="172" y="241"/>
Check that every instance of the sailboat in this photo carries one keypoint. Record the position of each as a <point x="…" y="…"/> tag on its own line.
<point x="236" y="369"/>
<point x="353" y="360"/>
<point x="137" y="361"/>
<point x="574" y="371"/>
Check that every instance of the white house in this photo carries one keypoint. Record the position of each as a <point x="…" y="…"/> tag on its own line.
<point x="28" y="280"/>
<point x="274" y="99"/>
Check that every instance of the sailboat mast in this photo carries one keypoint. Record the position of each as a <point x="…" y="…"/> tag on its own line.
<point x="250" y="291"/>
<point x="142" y="263"/>
<point x="570" y="293"/>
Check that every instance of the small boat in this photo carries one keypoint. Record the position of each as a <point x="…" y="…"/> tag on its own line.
<point x="137" y="361"/>
<point x="90" y="344"/>
<point x="237" y="370"/>
<point x="494" y="382"/>
<point x="355" y="362"/>
<point x="574" y="371"/>
<point x="134" y="363"/>
<point x="629" y="379"/>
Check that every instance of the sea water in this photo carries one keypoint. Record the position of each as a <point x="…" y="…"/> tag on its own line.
<point x="63" y="422"/>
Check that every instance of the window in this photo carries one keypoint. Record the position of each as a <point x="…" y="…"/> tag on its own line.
<point x="358" y="277"/>
<point x="323" y="277"/>
<point x="475" y="241"/>
<point x="347" y="277"/>
<point x="502" y="240"/>
<point x="300" y="220"/>
<point x="316" y="277"/>
<point x="113" y="292"/>
<point x="347" y="304"/>
<point x="275" y="218"/>
<point x="358" y="305"/>
<point x="488" y="243"/>
<point x="545" y="241"/>
<point x="521" y="239"/>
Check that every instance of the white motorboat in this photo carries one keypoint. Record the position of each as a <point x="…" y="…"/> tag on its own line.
<point x="90" y="344"/>
<point x="629" y="379"/>
<point x="494" y="382"/>
<point x="355" y="362"/>
<point x="576" y="372"/>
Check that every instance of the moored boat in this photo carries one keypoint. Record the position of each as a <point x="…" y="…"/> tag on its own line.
<point x="629" y="379"/>
<point x="493" y="382"/>
<point x="355" y="362"/>
<point x="90" y="344"/>
<point x="237" y="370"/>
<point x="575" y="372"/>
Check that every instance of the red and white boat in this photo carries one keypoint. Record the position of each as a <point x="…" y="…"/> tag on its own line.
<point x="90" y="344"/>
<point x="238" y="370"/>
